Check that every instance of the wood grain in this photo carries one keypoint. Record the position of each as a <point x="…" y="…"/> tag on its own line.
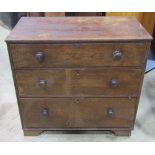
<point x="72" y="85"/>
<point x="78" y="55"/>
<point x="137" y="15"/>
<point x="79" y="82"/>
<point x="77" y="112"/>
<point x="147" y="19"/>
<point x="79" y="29"/>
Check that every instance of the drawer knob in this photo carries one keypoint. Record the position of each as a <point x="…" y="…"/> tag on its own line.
<point x="40" y="56"/>
<point x="114" y="83"/>
<point x="117" y="55"/>
<point x="45" y="112"/>
<point x="110" y="112"/>
<point x="42" y="83"/>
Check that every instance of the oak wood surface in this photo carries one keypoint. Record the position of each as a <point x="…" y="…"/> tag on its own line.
<point x="147" y="19"/>
<point x="78" y="55"/>
<point x="79" y="82"/>
<point x="77" y="112"/>
<point x="79" y="29"/>
<point x="137" y="15"/>
<point x="75" y="75"/>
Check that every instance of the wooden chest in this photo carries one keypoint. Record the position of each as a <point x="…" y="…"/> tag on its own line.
<point x="78" y="73"/>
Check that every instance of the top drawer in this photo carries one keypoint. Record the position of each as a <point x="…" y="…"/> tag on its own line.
<point x="78" y="54"/>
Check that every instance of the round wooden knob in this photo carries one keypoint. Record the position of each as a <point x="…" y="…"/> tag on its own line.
<point x="77" y="100"/>
<point x="117" y="55"/>
<point x="114" y="83"/>
<point x="42" y="83"/>
<point x="40" y="56"/>
<point x="110" y="112"/>
<point x="45" y="112"/>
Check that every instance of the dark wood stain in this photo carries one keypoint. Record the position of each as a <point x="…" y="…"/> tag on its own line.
<point x="82" y="82"/>
<point x="77" y="112"/>
<point x="59" y="29"/>
<point x="78" y="55"/>
<point x="78" y="85"/>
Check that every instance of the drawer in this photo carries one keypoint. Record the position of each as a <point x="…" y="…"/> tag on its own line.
<point x="77" y="112"/>
<point x="78" y="54"/>
<point x="103" y="82"/>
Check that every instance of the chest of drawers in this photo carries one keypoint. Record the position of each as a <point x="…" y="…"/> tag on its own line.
<point x="82" y="73"/>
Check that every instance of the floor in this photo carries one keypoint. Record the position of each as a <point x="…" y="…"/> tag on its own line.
<point x="10" y="126"/>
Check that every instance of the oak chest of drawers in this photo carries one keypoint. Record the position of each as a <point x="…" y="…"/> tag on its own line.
<point x="78" y="73"/>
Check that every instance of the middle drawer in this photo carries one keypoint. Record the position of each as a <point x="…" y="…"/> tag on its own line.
<point x="99" y="82"/>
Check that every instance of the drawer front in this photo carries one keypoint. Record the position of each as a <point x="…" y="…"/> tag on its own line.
<point x="78" y="55"/>
<point x="79" y="82"/>
<point x="77" y="112"/>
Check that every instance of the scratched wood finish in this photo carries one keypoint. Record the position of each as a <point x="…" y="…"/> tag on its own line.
<point x="77" y="112"/>
<point x="78" y="55"/>
<point x="79" y="29"/>
<point x="78" y="82"/>
<point x="71" y="88"/>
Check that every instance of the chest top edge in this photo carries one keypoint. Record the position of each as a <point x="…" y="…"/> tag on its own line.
<point x="78" y="29"/>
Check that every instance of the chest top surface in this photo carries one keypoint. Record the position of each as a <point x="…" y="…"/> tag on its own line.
<point x="77" y="29"/>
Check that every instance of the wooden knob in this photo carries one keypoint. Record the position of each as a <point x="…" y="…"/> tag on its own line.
<point x="77" y="100"/>
<point x="110" y="112"/>
<point x="44" y="112"/>
<point x="117" y="55"/>
<point x="40" y="56"/>
<point x="42" y="83"/>
<point x="114" y="83"/>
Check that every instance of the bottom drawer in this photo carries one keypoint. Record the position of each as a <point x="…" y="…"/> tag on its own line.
<point x="77" y="112"/>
